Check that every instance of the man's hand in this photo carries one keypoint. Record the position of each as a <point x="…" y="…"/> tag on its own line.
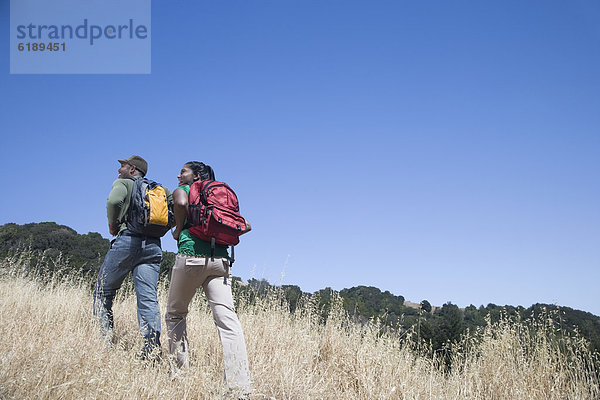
<point x="176" y="233"/>
<point x="113" y="229"/>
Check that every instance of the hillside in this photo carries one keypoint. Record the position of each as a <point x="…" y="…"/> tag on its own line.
<point x="292" y="356"/>
<point x="83" y="254"/>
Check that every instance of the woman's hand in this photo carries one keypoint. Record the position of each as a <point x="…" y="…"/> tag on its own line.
<point x="248" y="227"/>
<point x="176" y="233"/>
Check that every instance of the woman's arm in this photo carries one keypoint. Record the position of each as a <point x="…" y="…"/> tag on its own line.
<point x="180" y="210"/>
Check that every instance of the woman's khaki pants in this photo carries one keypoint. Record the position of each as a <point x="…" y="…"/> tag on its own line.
<point x="188" y="275"/>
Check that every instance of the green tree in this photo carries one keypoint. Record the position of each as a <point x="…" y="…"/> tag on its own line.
<point x="450" y="325"/>
<point x="292" y="295"/>
<point x="426" y="306"/>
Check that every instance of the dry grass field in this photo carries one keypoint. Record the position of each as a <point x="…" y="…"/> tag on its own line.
<point x="49" y="349"/>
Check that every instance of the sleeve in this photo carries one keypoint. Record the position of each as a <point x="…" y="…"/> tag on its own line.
<point x="115" y="202"/>
<point x="169" y="196"/>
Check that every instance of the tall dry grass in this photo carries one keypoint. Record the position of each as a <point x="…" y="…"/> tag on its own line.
<point x="50" y="349"/>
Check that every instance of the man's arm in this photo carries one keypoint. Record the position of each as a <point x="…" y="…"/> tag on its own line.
<point x="180" y="210"/>
<point x="170" y="201"/>
<point x="114" y="204"/>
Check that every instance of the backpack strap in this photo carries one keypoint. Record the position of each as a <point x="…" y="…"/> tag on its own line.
<point x="133" y="197"/>
<point x="204" y="192"/>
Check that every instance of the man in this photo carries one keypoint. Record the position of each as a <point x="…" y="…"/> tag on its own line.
<point x="129" y="252"/>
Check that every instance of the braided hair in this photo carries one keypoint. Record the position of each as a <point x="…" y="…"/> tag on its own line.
<point x="205" y="171"/>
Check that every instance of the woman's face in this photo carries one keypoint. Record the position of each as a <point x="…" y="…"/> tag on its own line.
<point x="186" y="176"/>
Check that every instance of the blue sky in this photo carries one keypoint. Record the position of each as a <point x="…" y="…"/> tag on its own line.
<point x="440" y="150"/>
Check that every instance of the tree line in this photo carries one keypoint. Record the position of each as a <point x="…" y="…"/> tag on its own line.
<point x="82" y="254"/>
<point x="45" y="242"/>
<point x="437" y="326"/>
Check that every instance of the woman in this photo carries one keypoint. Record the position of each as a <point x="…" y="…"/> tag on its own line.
<point x="194" y="268"/>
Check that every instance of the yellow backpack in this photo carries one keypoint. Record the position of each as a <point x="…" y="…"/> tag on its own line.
<point x="150" y="210"/>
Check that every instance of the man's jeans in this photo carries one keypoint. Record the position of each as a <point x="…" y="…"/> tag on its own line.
<point x="141" y="256"/>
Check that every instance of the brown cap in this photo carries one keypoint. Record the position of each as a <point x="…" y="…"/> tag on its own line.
<point x="138" y="162"/>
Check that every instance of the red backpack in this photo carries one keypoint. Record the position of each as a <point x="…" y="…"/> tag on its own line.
<point x="214" y="213"/>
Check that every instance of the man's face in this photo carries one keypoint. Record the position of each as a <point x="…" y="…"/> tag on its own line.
<point x="126" y="171"/>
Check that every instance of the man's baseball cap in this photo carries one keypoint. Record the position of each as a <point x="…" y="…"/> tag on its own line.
<point x="137" y="162"/>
